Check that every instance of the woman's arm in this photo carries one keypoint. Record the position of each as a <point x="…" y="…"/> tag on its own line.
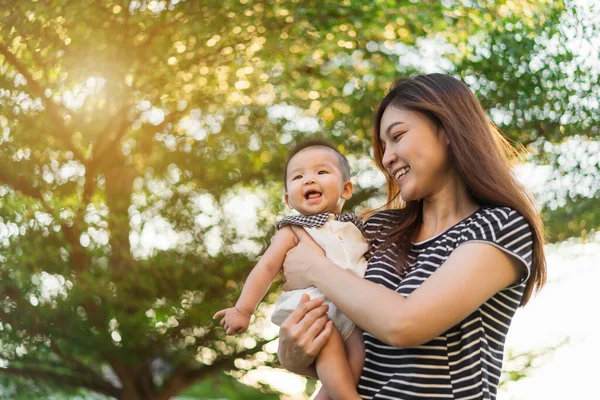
<point x="473" y="273"/>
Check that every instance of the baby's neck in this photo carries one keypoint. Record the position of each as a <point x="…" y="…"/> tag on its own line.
<point x="322" y="212"/>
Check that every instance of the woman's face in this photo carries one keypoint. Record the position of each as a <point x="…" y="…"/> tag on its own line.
<point x="415" y="153"/>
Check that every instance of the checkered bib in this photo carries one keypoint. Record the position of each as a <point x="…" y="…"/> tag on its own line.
<point x="341" y="238"/>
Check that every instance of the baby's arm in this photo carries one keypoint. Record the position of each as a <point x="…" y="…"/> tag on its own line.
<point x="236" y="319"/>
<point x="266" y="270"/>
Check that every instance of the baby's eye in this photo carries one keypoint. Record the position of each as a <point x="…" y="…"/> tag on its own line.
<point x="321" y="172"/>
<point x="297" y="177"/>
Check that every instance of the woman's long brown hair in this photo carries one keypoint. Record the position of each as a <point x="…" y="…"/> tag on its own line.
<point x="479" y="153"/>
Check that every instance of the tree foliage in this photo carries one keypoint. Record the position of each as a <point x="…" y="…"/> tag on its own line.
<point x="131" y="130"/>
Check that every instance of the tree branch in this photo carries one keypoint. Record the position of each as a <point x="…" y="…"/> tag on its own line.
<point x="78" y="257"/>
<point x="20" y="186"/>
<point x="73" y="361"/>
<point x="146" y="146"/>
<point x="53" y="109"/>
<point x="105" y="146"/>
<point x="159" y="27"/>
<point x="62" y="380"/>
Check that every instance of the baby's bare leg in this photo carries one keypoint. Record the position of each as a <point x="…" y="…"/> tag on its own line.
<point x="335" y="372"/>
<point x="355" y="352"/>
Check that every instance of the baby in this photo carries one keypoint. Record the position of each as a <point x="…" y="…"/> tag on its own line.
<point x="317" y="182"/>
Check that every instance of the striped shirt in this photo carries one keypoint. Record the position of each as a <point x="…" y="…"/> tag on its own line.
<point x="465" y="361"/>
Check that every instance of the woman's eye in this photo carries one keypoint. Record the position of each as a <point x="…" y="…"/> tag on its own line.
<point x="397" y="136"/>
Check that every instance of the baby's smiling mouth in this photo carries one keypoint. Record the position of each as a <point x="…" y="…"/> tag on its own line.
<point x="312" y="194"/>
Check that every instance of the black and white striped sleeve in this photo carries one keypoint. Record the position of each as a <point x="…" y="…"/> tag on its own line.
<point x="507" y="230"/>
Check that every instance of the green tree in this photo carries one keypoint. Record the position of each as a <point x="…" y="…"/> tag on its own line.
<point x="124" y="118"/>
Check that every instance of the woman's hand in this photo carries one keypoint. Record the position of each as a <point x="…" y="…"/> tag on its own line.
<point x="303" y="334"/>
<point x="300" y="259"/>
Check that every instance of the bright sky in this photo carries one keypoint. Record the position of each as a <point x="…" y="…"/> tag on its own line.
<point x="562" y="310"/>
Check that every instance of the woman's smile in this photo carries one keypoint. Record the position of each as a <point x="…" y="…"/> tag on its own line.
<point x="401" y="173"/>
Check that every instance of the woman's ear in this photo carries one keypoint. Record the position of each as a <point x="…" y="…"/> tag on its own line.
<point x="443" y="135"/>
<point x="347" y="190"/>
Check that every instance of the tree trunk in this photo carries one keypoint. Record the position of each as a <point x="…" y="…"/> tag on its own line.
<point x="119" y="187"/>
<point x="130" y="393"/>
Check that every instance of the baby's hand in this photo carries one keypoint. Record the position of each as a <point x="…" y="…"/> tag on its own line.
<point x="233" y="321"/>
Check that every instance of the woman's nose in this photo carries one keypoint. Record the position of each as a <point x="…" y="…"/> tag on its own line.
<point x="388" y="158"/>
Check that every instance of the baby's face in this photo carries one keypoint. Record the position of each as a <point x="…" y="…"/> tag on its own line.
<point x="315" y="182"/>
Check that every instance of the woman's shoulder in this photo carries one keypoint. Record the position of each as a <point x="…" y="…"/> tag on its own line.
<point x="500" y="211"/>
<point x="506" y="229"/>
<point x="496" y="218"/>
<point x="503" y="226"/>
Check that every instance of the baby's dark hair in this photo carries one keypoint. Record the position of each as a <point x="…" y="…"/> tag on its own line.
<point x="344" y="166"/>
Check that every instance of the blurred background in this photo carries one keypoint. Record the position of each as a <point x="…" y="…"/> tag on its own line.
<point x="142" y="145"/>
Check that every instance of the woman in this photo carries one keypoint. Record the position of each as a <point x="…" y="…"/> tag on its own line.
<point x="448" y="269"/>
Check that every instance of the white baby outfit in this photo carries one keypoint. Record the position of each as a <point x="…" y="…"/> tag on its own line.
<point x="341" y="238"/>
